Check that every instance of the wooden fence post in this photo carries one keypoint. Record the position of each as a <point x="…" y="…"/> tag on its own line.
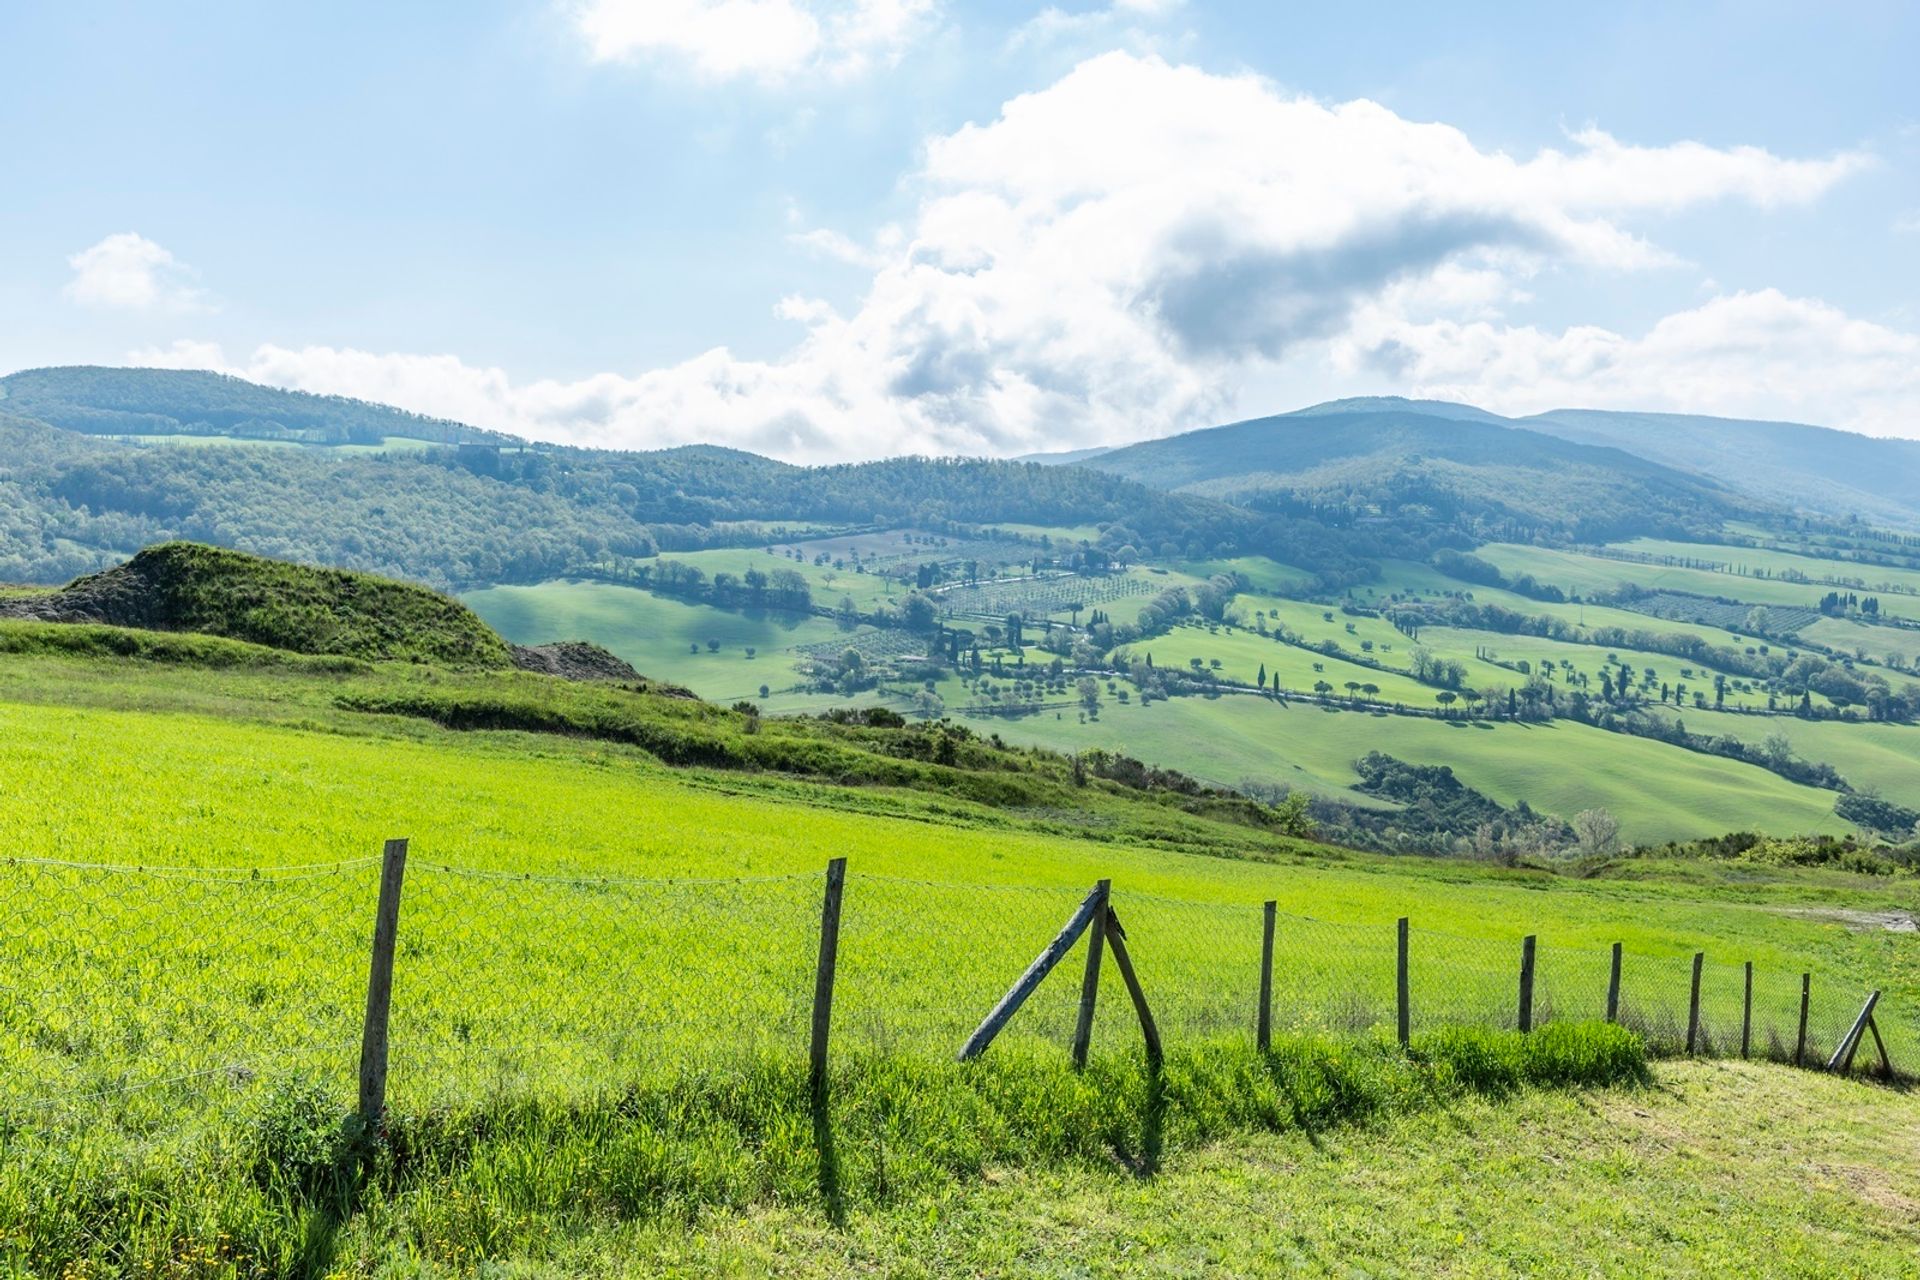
<point x="1090" y="981"/>
<point x="1526" y="982"/>
<point x="1746" y="1011"/>
<point x="1117" y="936"/>
<point x="1693" y="1003"/>
<point x="1800" y="1044"/>
<point x="386" y="932"/>
<point x="824" y="972"/>
<point x="1842" y="1058"/>
<point x="1263" y="1034"/>
<point x="1042" y="965"/>
<point x="1400" y="987"/>
<point x="1613" y="987"/>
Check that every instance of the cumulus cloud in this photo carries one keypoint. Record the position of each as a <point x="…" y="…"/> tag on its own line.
<point x="1115" y="255"/>
<point x="129" y="272"/>
<point x="1760" y="355"/>
<point x="768" y="40"/>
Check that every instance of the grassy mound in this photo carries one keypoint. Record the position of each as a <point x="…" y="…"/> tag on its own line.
<point x="184" y="586"/>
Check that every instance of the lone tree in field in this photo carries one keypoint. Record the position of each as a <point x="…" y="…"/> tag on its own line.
<point x="1597" y="830"/>
<point x="1446" y="698"/>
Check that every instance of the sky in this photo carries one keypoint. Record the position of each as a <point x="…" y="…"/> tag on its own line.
<point x="836" y="229"/>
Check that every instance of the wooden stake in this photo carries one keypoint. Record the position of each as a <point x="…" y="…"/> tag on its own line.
<point x="1090" y="982"/>
<point x="1800" y="1044"/>
<point x="1886" y="1066"/>
<point x="1526" y="982"/>
<point x="1842" y="1058"/>
<point x="1400" y="987"/>
<point x="824" y="972"/>
<point x="1263" y="1035"/>
<point x="1746" y="1011"/>
<point x="1613" y="987"/>
<point x="1117" y="936"/>
<point x="386" y="932"/>
<point x="1693" y="1003"/>
<point x="1042" y="965"/>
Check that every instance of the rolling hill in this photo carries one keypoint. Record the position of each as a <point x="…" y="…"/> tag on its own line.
<point x="1416" y="462"/>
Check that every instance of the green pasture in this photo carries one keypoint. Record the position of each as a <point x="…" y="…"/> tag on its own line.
<point x="1866" y="753"/>
<point x="1742" y="561"/>
<point x="1658" y="792"/>
<point x="1587" y="574"/>
<point x="1879" y="644"/>
<point x="1546" y="657"/>
<point x="1407" y="578"/>
<point x="666" y="638"/>
<point x="1262" y="573"/>
<point x="1241" y="653"/>
<point x="868" y="591"/>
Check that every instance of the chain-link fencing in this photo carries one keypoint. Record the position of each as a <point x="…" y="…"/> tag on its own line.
<point x="152" y="1003"/>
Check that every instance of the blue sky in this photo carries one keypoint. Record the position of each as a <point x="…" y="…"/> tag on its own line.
<point x="838" y="228"/>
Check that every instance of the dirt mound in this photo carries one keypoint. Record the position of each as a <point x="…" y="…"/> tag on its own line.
<point x="572" y="660"/>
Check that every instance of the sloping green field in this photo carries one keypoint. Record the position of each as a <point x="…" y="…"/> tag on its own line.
<point x="1658" y="792"/>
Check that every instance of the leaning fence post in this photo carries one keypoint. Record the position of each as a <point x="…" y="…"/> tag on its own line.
<point x="1800" y="1044"/>
<point x="1746" y="1011"/>
<point x="1117" y="937"/>
<point x="1842" y="1059"/>
<point x="386" y="931"/>
<point x="1526" y="982"/>
<point x="1090" y="982"/>
<point x="1693" y="1003"/>
<point x="1613" y="987"/>
<point x="823" y="973"/>
<point x="1263" y="1035"/>
<point x="1400" y="986"/>
<point x="1042" y="965"/>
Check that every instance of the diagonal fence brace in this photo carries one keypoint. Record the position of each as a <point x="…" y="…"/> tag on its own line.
<point x="1042" y="965"/>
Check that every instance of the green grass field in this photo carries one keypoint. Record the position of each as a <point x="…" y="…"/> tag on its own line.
<point x="1658" y="792"/>
<point x="1241" y="653"/>
<point x="1743" y="561"/>
<point x="666" y="638"/>
<point x="1588" y="574"/>
<point x="605" y="965"/>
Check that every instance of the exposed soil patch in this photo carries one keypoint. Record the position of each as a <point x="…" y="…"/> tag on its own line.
<point x="1860" y="921"/>
<point x="573" y="660"/>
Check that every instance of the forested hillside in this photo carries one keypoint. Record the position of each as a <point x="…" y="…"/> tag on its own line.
<point x="1424" y="471"/>
<point x="180" y="402"/>
<point x="75" y="502"/>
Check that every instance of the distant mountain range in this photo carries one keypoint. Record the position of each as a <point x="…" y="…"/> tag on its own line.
<point x="92" y="468"/>
<point x="1784" y="465"/>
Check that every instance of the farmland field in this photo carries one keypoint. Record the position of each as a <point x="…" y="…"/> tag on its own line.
<point x="666" y="638"/>
<point x="1658" y="792"/>
<point x="1588" y="574"/>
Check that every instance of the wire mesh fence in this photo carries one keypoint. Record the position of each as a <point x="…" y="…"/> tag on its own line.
<point x="155" y="1002"/>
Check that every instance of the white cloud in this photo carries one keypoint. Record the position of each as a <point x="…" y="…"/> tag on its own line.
<point x="1908" y="223"/>
<point x="1116" y="255"/>
<point x="1138" y="25"/>
<point x="129" y="272"/>
<point x="768" y="40"/>
<point x="1760" y="355"/>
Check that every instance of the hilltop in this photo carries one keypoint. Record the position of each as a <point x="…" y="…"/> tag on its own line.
<point x="182" y="586"/>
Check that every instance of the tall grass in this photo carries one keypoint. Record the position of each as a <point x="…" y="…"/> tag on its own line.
<point x="296" y="1187"/>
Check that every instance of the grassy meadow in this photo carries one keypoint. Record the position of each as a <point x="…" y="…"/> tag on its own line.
<point x="605" y="967"/>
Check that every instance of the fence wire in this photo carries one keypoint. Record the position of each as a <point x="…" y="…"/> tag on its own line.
<point x="149" y="998"/>
<point x="509" y="984"/>
<point x="149" y="1002"/>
